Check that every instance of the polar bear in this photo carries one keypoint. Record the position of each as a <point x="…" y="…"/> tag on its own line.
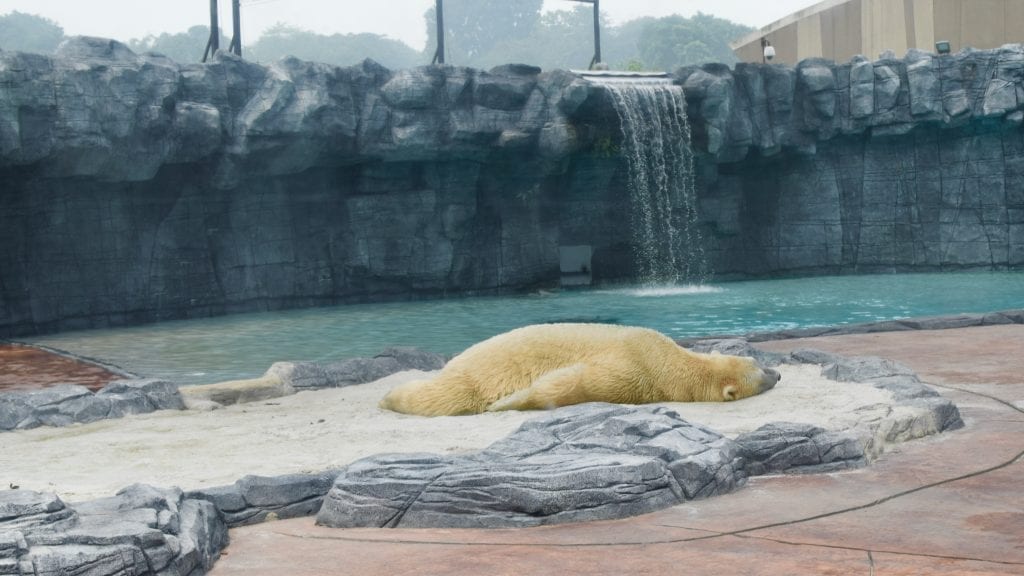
<point x="550" y="365"/>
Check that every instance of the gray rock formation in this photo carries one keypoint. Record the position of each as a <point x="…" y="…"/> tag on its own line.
<point x="787" y="447"/>
<point x="586" y="462"/>
<point x="596" y="461"/>
<point x="138" y="189"/>
<point x="908" y="164"/>
<point x="933" y="323"/>
<point x="69" y="404"/>
<point x="141" y="530"/>
<point x="313" y="375"/>
<point x="736" y="347"/>
<point x="255" y="499"/>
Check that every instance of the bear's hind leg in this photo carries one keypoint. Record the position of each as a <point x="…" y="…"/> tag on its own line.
<point x="435" y="397"/>
<point x="561" y="387"/>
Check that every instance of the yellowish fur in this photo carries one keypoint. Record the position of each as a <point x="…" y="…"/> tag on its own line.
<point x="237" y="391"/>
<point x="550" y="365"/>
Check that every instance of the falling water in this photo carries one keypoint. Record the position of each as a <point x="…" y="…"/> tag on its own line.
<point x="656" y="147"/>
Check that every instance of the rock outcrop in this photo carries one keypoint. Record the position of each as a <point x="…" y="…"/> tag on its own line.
<point x="584" y="462"/>
<point x="287" y="378"/>
<point x="255" y="499"/>
<point x="741" y="345"/>
<point x="141" y="530"/>
<point x="138" y="189"/>
<point x="68" y="404"/>
<point x="597" y="461"/>
<point x="763" y="110"/>
<point x="899" y="164"/>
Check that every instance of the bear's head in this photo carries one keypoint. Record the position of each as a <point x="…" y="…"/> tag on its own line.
<point x="736" y="377"/>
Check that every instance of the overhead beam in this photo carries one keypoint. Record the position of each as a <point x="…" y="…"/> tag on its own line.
<point x="439" y="17"/>
<point x="213" y="44"/>
<point x="236" y="39"/>
<point x="597" y="30"/>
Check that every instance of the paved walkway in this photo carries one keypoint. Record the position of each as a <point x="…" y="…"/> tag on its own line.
<point x="29" y="368"/>
<point x="952" y="504"/>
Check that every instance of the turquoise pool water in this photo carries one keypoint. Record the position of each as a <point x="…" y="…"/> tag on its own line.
<point x="245" y="345"/>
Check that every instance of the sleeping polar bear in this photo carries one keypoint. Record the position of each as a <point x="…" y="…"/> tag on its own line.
<point x="551" y="365"/>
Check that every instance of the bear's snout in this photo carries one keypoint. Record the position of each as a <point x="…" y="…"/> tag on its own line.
<point x="769" y="378"/>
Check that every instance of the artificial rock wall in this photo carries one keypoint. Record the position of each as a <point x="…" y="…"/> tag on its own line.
<point x="896" y="165"/>
<point x="134" y="188"/>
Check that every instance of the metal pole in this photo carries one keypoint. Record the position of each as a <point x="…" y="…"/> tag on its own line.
<point x="213" y="44"/>
<point x="236" y="13"/>
<point x="439" y="16"/>
<point x="597" y="30"/>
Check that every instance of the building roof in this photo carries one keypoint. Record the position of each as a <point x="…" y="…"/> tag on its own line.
<point x="783" y="22"/>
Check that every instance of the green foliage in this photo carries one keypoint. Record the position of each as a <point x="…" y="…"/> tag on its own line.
<point x="479" y="35"/>
<point x="561" y="39"/>
<point x="634" y="65"/>
<point x="29" y="33"/>
<point x="183" y="47"/>
<point x="475" y="29"/>
<point x="670" y="42"/>
<point x="337" y="49"/>
<point x="605" y="148"/>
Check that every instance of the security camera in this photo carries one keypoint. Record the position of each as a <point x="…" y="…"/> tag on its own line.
<point x="769" y="50"/>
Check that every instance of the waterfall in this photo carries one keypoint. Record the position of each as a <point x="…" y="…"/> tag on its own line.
<point x="663" y="198"/>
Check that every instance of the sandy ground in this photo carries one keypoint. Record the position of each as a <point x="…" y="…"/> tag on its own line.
<point x="315" y="431"/>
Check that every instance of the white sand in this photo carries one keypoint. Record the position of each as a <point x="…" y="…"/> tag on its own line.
<point x="314" y="431"/>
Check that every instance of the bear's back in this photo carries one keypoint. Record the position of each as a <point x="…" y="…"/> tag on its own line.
<point x="547" y="346"/>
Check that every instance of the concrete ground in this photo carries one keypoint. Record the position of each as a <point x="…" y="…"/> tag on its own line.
<point x="29" y="368"/>
<point x="952" y="504"/>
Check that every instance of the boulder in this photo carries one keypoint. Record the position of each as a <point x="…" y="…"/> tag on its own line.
<point x="141" y="530"/>
<point x="26" y="509"/>
<point x="788" y="447"/>
<point x="585" y="462"/>
<point x="738" y="347"/>
<point x="923" y="83"/>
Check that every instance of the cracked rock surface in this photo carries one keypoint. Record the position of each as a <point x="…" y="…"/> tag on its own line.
<point x="599" y="461"/>
<point x="578" y="463"/>
<point x="141" y="530"/>
<point x="586" y="462"/>
<point x="68" y="404"/>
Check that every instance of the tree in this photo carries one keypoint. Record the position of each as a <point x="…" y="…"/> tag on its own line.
<point x="29" y="33"/>
<point x="670" y="42"/>
<point x="619" y="43"/>
<point x="338" y="49"/>
<point x="485" y="33"/>
<point x="561" y="39"/>
<point x="473" y="28"/>
<point x="183" y="47"/>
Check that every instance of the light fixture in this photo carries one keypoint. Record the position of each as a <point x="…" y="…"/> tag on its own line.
<point x="942" y="47"/>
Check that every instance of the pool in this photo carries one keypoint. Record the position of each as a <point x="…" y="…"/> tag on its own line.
<point x="245" y="345"/>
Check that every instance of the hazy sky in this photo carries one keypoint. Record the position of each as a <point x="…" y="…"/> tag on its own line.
<point x="400" y="19"/>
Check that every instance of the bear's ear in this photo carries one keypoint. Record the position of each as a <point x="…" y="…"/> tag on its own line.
<point x="730" y="392"/>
